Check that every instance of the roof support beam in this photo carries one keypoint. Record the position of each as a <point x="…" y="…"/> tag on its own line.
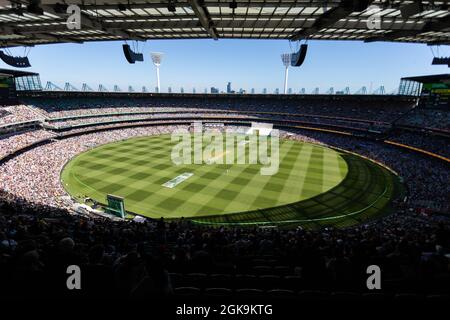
<point x="90" y="23"/>
<point x="37" y="34"/>
<point x="11" y="44"/>
<point x="437" y="25"/>
<point x="204" y="18"/>
<point x="329" y="18"/>
<point x="341" y="20"/>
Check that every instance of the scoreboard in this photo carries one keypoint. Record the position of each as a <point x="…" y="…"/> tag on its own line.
<point x="436" y="95"/>
<point x="7" y="88"/>
<point x="115" y="206"/>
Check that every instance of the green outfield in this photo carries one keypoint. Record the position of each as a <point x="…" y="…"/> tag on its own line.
<point x="313" y="186"/>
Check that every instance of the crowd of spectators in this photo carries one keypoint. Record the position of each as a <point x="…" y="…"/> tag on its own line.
<point x="34" y="175"/>
<point x="39" y="237"/>
<point x="348" y="114"/>
<point x="378" y="110"/>
<point x="18" y="113"/>
<point x="299" y="119"/>
<point x="13" y="142"/>
<point x="153" y="258"/>
<point x="423" y="140"/>
<point x="426" y="178"/>
<point x="3" y="112"/>
<point x="135" y="117"/>
<point x="428" y="118"/>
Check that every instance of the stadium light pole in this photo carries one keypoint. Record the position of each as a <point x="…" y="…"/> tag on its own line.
<point x="286" y="58"/>
<point x="156" y="58"/>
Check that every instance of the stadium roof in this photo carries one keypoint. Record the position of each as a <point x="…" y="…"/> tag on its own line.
<point x="16" y="73"/>
<point x="431" y="78"/>
<point x="23" y="23"/>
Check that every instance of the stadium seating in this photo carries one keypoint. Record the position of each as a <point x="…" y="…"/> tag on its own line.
<point x="35" y="225"/>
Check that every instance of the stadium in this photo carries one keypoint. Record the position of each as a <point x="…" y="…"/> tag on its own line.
<point x="224" y="195"/>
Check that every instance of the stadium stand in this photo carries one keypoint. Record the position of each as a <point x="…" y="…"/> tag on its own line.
<point x="353" y="107"/>
<point x="39" y="234"/>
<point x="17" y="113"/>
<point x="141" y="260"/>
<point x="40" y="131"/>
<point x="426" y="118"/>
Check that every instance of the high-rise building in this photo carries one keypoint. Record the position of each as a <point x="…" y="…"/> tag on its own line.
<point x="265" y="91"/>
<point x="253" y="91"/>
<point x="214" y="90"/>
<point x="170" y="90"/>
<point x="229" y="87"/>
<point x="182" y="90"/>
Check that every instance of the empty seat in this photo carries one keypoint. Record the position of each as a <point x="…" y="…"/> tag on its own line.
<point x="347" y="296"/>
<point x="187" y="291"/>
<point x="271" y="262"/>
<point x="249" y="293"/>
<point x="195" y="280"/>
<point x="438" y="297"/>
<point x="267" y="282"/>
<point x="395" y="285"/>
<point x="218" y="292"/>
<point x="259" y="262"/>
<point x="375" y="296"/>
<point x="242" y="281"/>
<point x="262" y="270"/>
<point x="281" y="293"/>
<point x="281" y="270"/>
<point x="408" y="297"/>
<point x="294" y="283"/>
<point x="220" y="280"/>
<point x="176" y="280"/>
<point x="314" y="295"/>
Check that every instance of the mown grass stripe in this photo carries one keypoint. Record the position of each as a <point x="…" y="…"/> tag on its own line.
<point x="134" y="168"/>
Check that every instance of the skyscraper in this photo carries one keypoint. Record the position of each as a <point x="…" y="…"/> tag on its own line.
<point x="229" y="87"/>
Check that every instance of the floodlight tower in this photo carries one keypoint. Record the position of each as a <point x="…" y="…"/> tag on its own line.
<point x="286" y="58"/>
<point x="156" y="58"/>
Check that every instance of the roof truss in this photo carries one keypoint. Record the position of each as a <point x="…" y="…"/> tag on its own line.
<point x="254" y="19"/>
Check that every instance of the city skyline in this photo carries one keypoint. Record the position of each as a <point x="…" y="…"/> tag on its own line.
<point x="247" y="65"/>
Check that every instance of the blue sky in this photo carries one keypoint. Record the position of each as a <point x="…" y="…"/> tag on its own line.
<point x="246" y="63"/>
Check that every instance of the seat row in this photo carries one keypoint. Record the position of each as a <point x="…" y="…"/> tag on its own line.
<point x="301" y="295"/>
